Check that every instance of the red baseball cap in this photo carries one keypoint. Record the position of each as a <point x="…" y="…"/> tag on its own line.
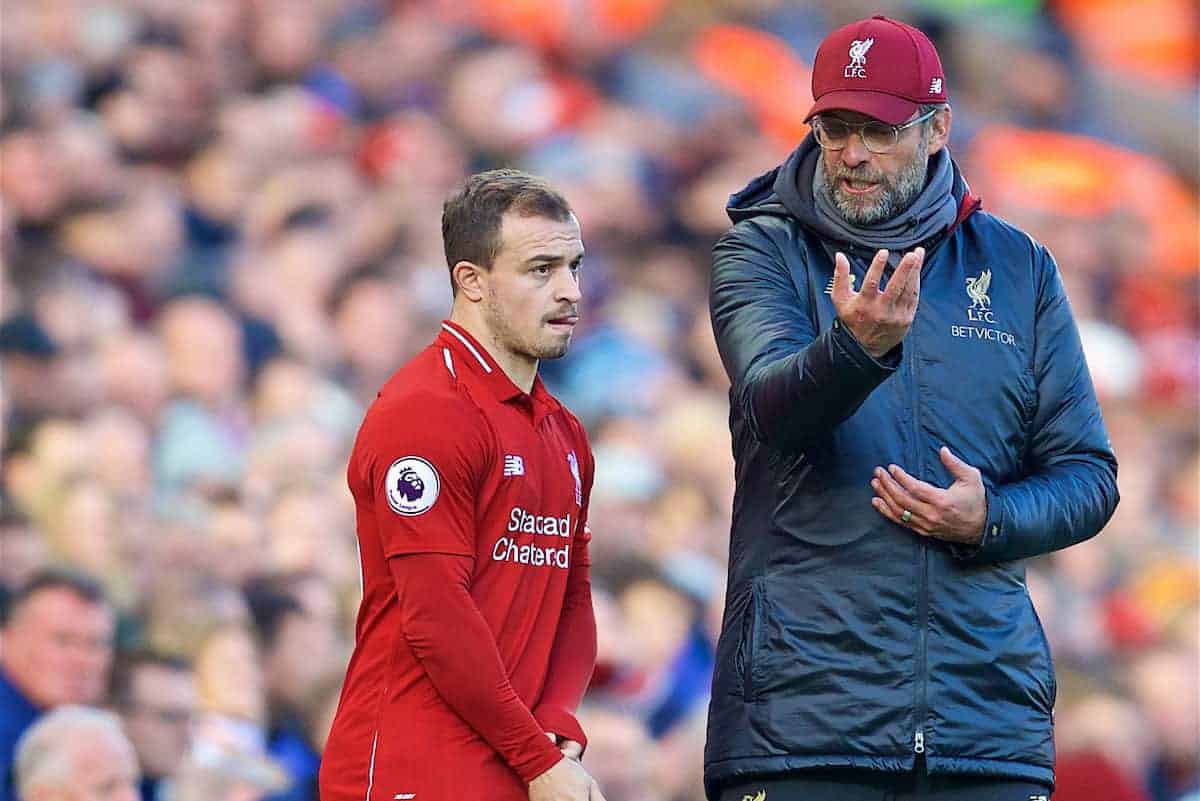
<point x="878" y="67"/>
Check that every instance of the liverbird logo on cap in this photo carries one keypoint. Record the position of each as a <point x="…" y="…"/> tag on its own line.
<point x="857" y="68"/>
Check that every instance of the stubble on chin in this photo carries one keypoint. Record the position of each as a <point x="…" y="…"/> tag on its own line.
<point x="556" y="350"/>
<point x="538" y="346"/>
<point x="547" y="346"/>
<point x="894" y="197"/>
<point x="858" y="212"/>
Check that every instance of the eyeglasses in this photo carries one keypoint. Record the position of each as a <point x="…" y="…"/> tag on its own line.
<point x="833" y="133"/>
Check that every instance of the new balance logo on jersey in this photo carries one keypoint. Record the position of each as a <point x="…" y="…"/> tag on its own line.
<point x="514" y="465"/>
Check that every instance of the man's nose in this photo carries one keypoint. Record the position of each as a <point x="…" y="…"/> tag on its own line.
<point x="568" y="288"/>
<point x="855" y="152"/>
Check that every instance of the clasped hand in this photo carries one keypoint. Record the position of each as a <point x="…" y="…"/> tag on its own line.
<point x="957" y="513"/>
<point x="566" y="780"/>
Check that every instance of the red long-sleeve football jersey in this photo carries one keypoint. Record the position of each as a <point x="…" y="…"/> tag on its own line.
<point x="475" y="636"/>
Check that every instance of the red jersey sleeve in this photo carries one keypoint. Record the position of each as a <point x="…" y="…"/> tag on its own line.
<point x="448" y="634"/>
<point x="425" y="458"/>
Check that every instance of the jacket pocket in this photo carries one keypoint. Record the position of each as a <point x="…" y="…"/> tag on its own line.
<point x="750" y="641"/>
<point x="1051" y="681"/>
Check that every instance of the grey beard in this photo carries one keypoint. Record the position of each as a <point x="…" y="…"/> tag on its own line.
<point x="895" y="200"/>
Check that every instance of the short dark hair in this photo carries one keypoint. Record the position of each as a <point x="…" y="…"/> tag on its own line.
<point x="621" y="574"/>
<point x="130" y="662"/>
<point x="79" y="584"/>
<point x="270" y="606"/>
<point x="471" y="217"/>
<point x="11" y="516"/>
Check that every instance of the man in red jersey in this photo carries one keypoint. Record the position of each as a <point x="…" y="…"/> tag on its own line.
<point x="476" y="639"/>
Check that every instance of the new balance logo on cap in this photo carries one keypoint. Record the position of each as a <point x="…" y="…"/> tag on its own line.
<point x="514" y="465"/>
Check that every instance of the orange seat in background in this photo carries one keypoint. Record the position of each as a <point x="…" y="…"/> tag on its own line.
<point x="1080" y="176"/>
<point x="1150" y="40"/>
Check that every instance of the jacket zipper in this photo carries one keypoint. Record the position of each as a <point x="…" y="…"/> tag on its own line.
<point x="923" y="550"/>
<point x="922" y="648"/>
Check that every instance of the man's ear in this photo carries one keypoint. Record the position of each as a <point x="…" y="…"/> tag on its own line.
<point x="468" y="277"/>
<point x="939" y="130"/>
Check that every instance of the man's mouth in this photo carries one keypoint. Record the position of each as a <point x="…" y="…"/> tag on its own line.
<point x="859" y="187"/>
<point x="566" y="321"/>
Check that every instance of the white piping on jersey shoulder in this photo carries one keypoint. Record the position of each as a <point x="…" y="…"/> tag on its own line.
<point x="449" y="362"/>
<point x="486" y="367"/>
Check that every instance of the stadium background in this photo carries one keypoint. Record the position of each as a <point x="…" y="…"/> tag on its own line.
<point x="220" y="234"/>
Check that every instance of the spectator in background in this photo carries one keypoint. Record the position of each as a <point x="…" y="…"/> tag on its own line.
<point x="1167" y="687"/>
<point x="134" y="373"/>
<point x="297" y="648"/>
<point x="670" y="653"/>
<point x="236" y="536"/>
<point x="57" y="647"/>
<point x="25" y="550"/>
<point x="156" y="697"/>
<point x="235" y="776"/>
<point x="31" y="371"/>
<point x="76" y="753"/>
<point x="1103" y="746"/>
<point x="39" y="465"/>
<point x="374" y="325"/>
<point x="204" y="429"/>
<point x="232" y="714"/>
<point x="622" y="751"/>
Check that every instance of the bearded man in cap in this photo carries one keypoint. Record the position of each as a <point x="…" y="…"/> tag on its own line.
<point x="912" y="418"/>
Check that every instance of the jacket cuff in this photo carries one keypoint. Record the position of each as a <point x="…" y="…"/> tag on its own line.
<point x="993" y="531"/>
<point x="849" y="346"/>
<point x="557" y="720"/>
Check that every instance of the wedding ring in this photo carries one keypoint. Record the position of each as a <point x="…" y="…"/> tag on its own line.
<point x="905" y="517"/>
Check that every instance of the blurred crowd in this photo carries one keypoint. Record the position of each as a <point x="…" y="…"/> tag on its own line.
<point x="219" y="235"/>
